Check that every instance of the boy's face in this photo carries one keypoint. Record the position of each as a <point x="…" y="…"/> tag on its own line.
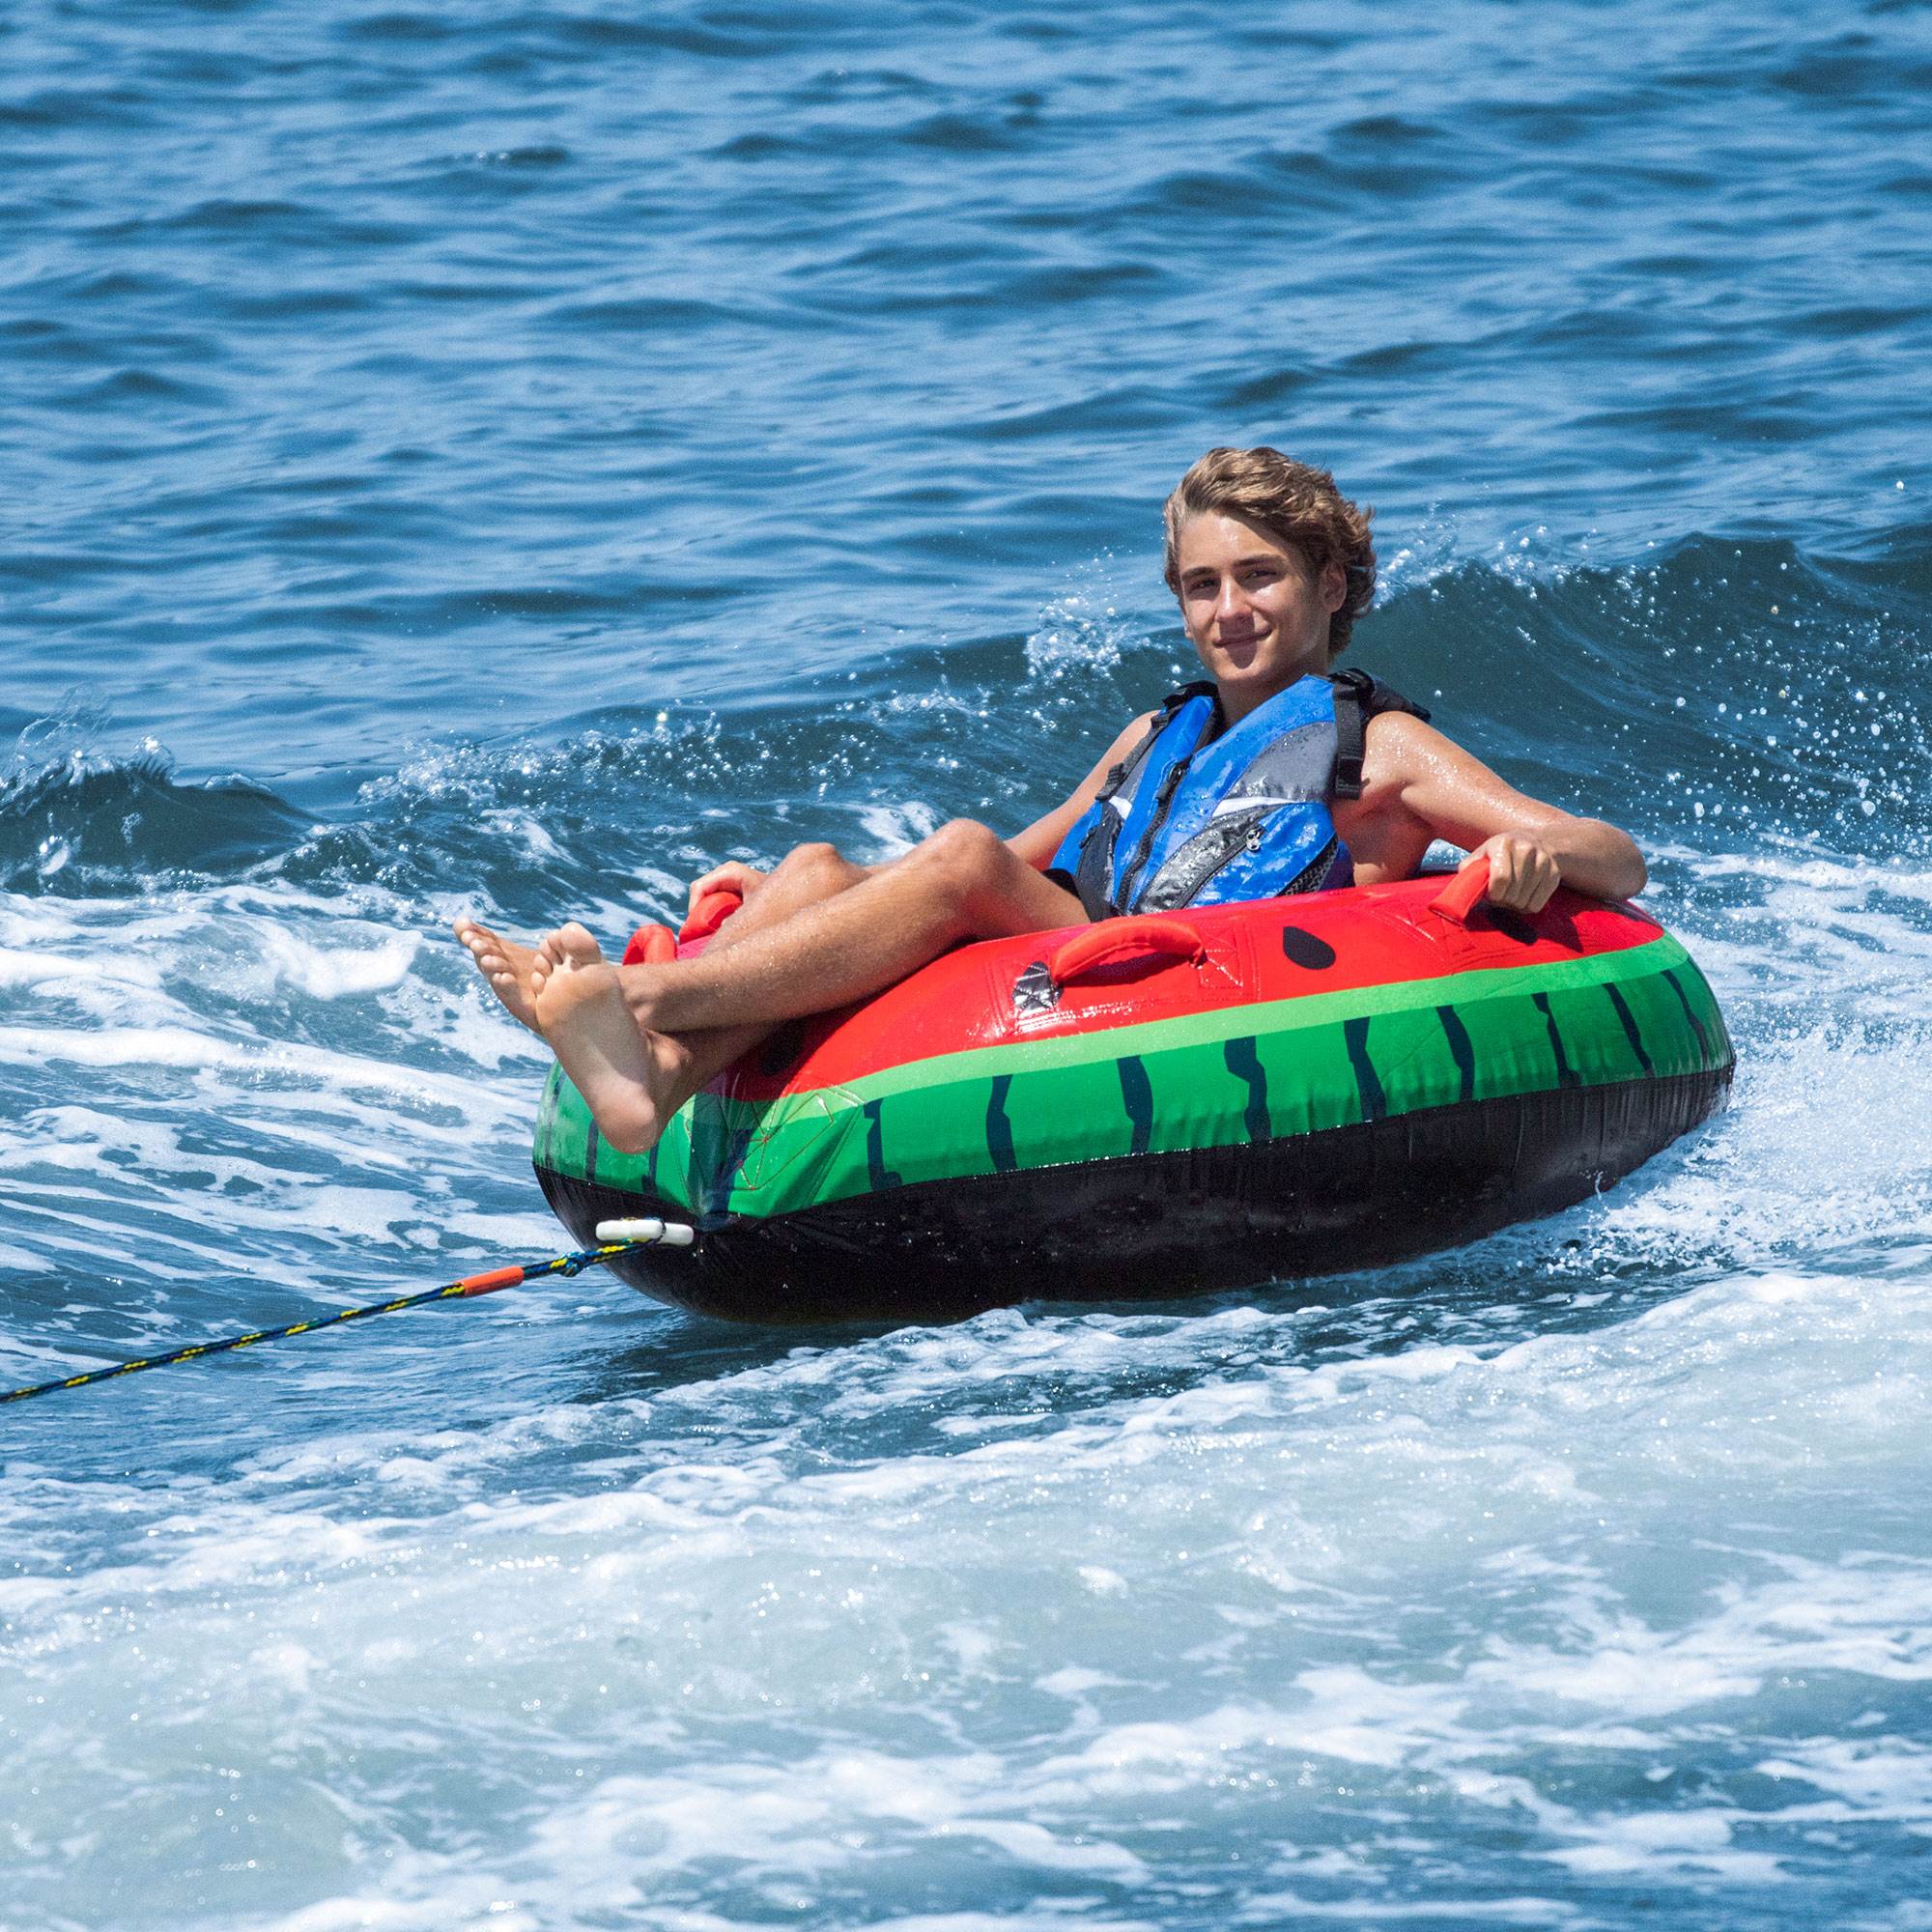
<point x="1254" y="611"/>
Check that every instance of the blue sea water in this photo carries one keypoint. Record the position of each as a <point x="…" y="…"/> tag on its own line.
<point x="512" y="456"/>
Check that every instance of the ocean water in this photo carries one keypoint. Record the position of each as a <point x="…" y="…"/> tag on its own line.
<point x="512" y="456"/>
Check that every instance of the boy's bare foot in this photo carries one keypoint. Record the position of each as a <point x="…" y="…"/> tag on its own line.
<point x="506" y="966"/>
<point x="630" y="1079"/>
<point x="569" y="941"/>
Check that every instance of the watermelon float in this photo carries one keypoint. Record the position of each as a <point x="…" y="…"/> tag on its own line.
<point x="1158" y="1105"/>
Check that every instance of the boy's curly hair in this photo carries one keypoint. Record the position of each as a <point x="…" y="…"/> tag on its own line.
<point x="1293" y="501"/>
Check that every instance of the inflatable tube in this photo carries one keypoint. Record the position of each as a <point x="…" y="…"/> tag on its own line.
<point x="1154" y="1106"/>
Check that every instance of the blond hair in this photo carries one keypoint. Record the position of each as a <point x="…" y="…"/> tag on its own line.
<point x="1295" y="503"/>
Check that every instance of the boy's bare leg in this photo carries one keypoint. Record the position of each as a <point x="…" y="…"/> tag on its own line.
<point x="805" y="875"/>
<point x="647" y="1080"/>
<point x="638" y="1080"/>
<point x="962" y="883"/>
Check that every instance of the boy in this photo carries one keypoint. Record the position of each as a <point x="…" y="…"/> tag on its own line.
<point x="1273" y="778"/>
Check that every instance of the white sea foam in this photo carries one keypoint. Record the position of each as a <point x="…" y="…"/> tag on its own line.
<point x="706" y="1591"/>
<point x="1007" y="1613"/>
<point x="893" y="829"/>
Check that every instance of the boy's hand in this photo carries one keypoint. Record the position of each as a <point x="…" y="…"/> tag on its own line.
<point x="731" y="877"/>
<point x="1522" y="874"/>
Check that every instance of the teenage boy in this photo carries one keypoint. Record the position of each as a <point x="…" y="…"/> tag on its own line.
<point x="1274" y="776"/>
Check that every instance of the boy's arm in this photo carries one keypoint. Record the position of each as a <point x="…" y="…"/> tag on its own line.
<point x="1531" y="846"/>
<point x="1040" y="840"/>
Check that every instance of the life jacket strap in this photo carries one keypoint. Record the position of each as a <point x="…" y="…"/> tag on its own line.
<point x="1358" y="697"/>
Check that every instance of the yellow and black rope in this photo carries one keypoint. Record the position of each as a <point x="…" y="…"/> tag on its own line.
<point x="469" y="1285"/>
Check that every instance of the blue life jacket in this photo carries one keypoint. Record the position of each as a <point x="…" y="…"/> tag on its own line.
<point x="1196" y="815"/>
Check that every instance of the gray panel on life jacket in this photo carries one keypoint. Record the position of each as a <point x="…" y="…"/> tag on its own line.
<point x="1203" y="855"/>
<point x="1298" y="766"/>
<point x="1192" y="869"/>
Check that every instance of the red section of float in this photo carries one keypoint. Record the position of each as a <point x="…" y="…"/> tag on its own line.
<point x="1047" y="985"/>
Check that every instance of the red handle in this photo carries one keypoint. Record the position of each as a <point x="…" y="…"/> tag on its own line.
<point x="652" y="945"/>
<point x="710" y="913"/>
<point x="1113" y="940"/>
<point x="1462" y="894"/>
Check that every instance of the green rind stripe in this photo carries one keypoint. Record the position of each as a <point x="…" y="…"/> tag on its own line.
<point x="1045" y="1103"/>
<point x="1307" y="1010"/>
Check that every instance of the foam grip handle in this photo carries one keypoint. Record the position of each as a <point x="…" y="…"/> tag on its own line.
<point x="652" y="945"/>
<point x="710" y="913"/>
<point x="1144" y="936"/>
<point x="1462" y="894"/>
